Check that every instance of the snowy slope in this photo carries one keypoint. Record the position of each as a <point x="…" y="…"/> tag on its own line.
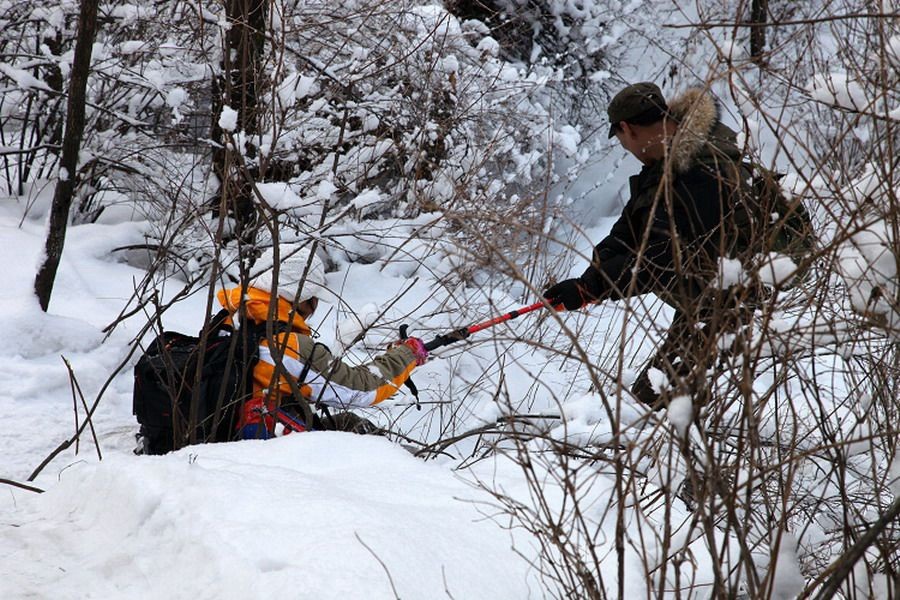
<point x="328" y="515"/>
<point x="325" y="515"/>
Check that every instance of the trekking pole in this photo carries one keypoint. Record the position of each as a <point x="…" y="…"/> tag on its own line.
<point x="461" y="334"/>
<point x="464" y="332"/>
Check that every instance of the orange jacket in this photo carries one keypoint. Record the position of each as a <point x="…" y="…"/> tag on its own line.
<point x="328" y="380"/>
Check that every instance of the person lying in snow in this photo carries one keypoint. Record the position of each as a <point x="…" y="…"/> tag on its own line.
<point x="295" y="358"/>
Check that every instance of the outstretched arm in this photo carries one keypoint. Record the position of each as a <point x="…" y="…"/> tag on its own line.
<point x="333" y="382"/>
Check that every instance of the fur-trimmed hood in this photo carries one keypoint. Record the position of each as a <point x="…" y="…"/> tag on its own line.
<point x="700" y="134"/>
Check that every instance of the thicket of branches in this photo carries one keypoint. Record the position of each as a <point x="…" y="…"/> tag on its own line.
<point x="787" y="458"/>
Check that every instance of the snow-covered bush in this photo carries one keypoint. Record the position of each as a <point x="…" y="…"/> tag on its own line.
<point x="867" y="264"/>
<point x="791" y="456"/>
<point x="430" y="145"/>
<point x="580" y="39"/>
<point x="141" y="70"/>
<point x="411" y="111"/>
<point x="414" y="111"/>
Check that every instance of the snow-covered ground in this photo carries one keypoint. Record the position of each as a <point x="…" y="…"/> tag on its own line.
<point x="320" y="515"/>
<point x="330" y="515"/>
<point x="324" y="515"/>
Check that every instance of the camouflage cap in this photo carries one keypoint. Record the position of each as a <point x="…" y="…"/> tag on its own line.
<point x="640" y="104"/>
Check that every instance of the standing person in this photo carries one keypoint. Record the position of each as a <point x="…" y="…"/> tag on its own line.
<point x="686" y="211"/>
<point x="320" y="377"/>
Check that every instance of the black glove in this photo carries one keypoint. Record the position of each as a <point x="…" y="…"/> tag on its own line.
<point x="570" y="293"/>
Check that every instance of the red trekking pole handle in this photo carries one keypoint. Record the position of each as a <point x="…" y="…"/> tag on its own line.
<point x="464" y="332"/>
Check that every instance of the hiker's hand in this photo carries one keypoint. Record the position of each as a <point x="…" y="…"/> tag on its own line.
<point x="570" y="293"/>
<point x="418" y="349"/>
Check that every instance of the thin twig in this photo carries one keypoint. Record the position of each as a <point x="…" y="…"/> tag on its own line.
<point x="73" y="381"/>
<point x="756" y="25"/>
<point x="63" y="445"/>
<point x="380" y="562"/>
<point x="843" y="566"/>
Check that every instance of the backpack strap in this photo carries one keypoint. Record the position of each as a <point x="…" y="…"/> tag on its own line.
<point x="258" y="333"/>
<point x="246" y="339"/>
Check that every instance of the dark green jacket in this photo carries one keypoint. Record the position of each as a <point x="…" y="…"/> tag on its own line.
<point x="680" y="217"/>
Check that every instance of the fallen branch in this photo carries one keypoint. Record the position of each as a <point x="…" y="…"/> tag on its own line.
<point x="23" y="486"/>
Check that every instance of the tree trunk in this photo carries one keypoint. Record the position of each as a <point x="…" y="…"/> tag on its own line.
<point x="238" y="87"/>
<point x="71" y="145"/>
<point x="759" y="15"/>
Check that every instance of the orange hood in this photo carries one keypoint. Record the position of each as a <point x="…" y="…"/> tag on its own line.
<point x="257" y="302"/>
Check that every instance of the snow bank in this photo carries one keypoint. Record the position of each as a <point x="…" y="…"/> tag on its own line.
<point x="326" y="515"/>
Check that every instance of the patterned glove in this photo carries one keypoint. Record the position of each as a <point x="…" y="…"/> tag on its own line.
<point x="570" y="293"/>
<point x="418" y="348"/>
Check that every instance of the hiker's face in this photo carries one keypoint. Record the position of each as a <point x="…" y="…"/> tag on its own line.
<point x="307" y="307"/>
<point x="313" y="305"/>
<point x="645" y="142"/>
<point x="631" y="139"/>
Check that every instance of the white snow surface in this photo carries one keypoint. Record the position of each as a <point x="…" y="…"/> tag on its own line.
<point x="228" y="119"/>
<point x="355" y="325"/>
<point x="318" y="515"/>
<point x="731" y="272"/>
<point x="681" y="413"/>
<point x="367" y="198"/>
<point x="777" y="269"/>
<point x="22" y="78"/>
<point x="838" y="89"/>
<point x="314" y="515"/>
<point x="788" y="581"/>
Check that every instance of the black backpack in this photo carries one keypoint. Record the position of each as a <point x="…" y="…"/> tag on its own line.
<point x="179" y="400"/>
